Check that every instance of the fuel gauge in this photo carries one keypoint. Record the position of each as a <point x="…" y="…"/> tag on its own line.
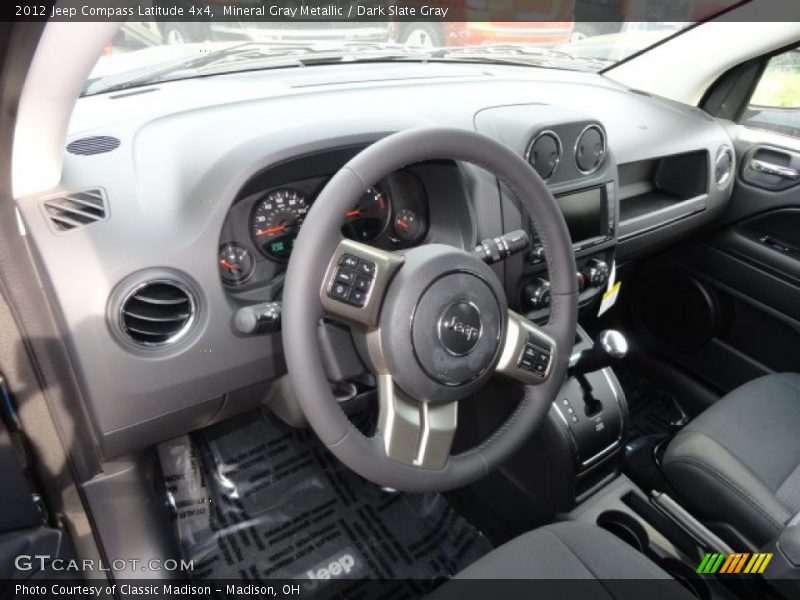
<point x="236" y="264"/>
<point x="409" y="227"/>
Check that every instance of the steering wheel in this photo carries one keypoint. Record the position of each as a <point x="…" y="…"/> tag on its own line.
<point x="436" y="322"/>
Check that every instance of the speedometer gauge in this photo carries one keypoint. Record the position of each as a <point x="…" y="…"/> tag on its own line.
<point x="276" y="221"/>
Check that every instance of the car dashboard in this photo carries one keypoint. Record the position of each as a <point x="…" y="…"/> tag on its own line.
<point x="179" y="204"/>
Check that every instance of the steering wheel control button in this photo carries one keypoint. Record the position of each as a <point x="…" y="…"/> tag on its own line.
<point x="362" y="284"/>
<point x="340" y="291"/>
<point x="357" y="298"/>
<point x="346" y="276"/>
<point x="366" y="268"/>
<point x="534" y="359"/>
<point x="460" y="328"/>
<point x="348" y="260"/>
<point x="352" y="280"/>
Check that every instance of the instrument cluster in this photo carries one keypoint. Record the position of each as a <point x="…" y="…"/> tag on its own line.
<point x="391" y="215"/>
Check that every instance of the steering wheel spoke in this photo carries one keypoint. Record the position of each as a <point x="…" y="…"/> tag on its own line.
<point x="528" y="353"/>
<point x="356" y="280"/>
<point x="415" y="433"/>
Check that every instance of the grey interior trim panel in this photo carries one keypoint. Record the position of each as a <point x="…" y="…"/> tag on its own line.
<point x="184" y="158"/>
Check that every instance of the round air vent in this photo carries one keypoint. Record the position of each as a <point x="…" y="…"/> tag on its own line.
<point x="723" y="167"/>
<point x="157" y="312"/>
<point x="544" y="154"/>
<point x="590" y="149"/>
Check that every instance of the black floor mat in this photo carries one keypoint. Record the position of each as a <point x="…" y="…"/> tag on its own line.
<point x="256" y="500"/>
<point x="653" y="410"/>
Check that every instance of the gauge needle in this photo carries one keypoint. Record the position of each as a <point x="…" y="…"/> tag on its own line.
<point x="402" y="224"/>
<point x="227" y="265"/>
<point x="271" y="230"/>
<point x="353" y="213"/>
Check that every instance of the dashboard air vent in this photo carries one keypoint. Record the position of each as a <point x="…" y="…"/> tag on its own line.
<point x="544" y="154"/>
<point x="93" y="145"/>
<point x="723" y="167"/>
<point x="590" y="149"/>
<point x="157" y="312"/>
<point x="75" y="210"/>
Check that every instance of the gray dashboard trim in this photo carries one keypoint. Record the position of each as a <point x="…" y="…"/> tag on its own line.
<point x="189" y="147"/>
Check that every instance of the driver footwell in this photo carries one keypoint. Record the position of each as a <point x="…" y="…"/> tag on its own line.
<point x="254" y="500"/>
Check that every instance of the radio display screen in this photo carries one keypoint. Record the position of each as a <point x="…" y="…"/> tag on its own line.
<point x="584" y="214"/>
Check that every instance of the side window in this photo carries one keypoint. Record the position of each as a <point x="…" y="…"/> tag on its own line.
<point x="775" y="104"/>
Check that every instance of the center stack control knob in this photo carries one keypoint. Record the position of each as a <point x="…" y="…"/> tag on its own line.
<point x="596" y="272"/>
<point x="537" y="294"/>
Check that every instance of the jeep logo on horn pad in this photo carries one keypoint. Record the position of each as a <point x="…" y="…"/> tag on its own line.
<point x="460" y="327"/>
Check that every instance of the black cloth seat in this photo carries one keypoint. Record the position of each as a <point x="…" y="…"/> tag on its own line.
<point x="598" y="565"/>
<point x="738" y="463"/>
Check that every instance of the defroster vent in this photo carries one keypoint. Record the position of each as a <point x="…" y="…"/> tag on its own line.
<point x="157" y="312"/>
<point x="75" y="210"/>
<point x="93" y="145"/>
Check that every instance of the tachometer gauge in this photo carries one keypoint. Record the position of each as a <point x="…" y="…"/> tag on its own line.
<point x="369" y="218"/>
<point x="236" y="264"/>
<point x="276" y="221"/>
<point x="409" y="227"/>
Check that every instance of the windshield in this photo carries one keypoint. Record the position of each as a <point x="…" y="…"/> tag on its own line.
<point x="143" y="53"/>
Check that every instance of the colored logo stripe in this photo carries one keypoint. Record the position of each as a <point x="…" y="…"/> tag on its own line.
<point x="737" y="562"/>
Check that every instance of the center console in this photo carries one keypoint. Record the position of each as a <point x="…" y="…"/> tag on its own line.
<point x="591" y="414"/>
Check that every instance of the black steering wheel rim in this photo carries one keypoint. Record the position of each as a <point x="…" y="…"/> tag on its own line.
<point x="318" y="240"/>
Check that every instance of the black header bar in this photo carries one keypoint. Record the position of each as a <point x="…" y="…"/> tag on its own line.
<point x="298" y="11"/>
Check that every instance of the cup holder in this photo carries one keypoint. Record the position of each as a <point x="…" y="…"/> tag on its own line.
<point x="625" y="527"/>
<point x="687" y="577"/>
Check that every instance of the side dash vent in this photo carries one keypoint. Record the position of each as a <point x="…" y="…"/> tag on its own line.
<point x="93" y="145"/>
<point x="76" y="210"/>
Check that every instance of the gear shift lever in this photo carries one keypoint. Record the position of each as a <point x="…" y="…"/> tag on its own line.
<point x="610" y="347"/>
